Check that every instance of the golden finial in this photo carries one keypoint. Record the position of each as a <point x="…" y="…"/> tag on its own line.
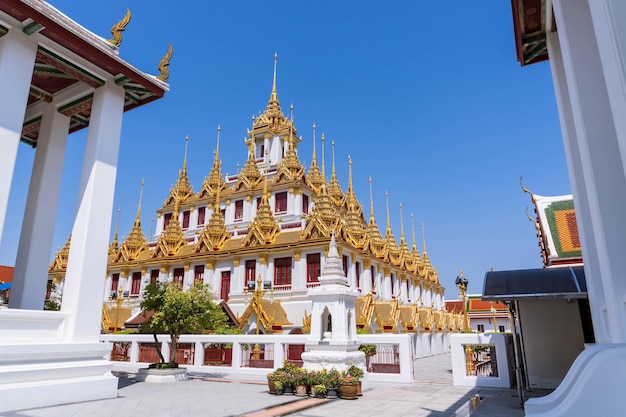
<point x="217" y="147"/>
<point x="371" y="200"/>
<point x="274" y="96"/>
<point x="185" y="158"/>
<point x="414" y="246"/>
<point x="387" y="205"/>
<point x="314" y="151"/>
<point x="164" y="72"/>
<point x="138" y="218"/>
<point x="117" y="223"/>
<point x="265" y="182"/>
<point x="118" y="28"/>
<point x="323" y="165"/>
<point x="349" y="173"/>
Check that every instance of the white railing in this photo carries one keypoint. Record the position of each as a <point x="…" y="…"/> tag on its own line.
<point x="235" y="355"/>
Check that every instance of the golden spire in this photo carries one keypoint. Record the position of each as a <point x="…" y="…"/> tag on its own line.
<point x="391" y="250"/>
<point x="59" y="263"/>
<point x="323" y="165"/>
<point x="334" y="189"/>
<point x="114" y="246"/>
<point x="135" y="242"/>
<point x="118" y="28"/>
<point x="314" y="177"/>
<point x="376" y="242"/>
<point x="290" y="168"/>
<point x="250" y="176"/>
<point x="172" y="238"/>
<point x="354" y="228"/>
<point x="263" y="229"/>
<point x="405" y="255"/>
<point x="429" y="271"/>
<point x="214" y="234"/>
<point x="164" y="72"/>
<point x="213" y="182"/>
<point x="323" y="219"/>
<point x="417" y="260"/>
<point x="182" y="190"/>
<point x="273" y="116"/>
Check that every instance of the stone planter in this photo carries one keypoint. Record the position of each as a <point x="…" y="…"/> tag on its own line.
<point x="161" y="375"/>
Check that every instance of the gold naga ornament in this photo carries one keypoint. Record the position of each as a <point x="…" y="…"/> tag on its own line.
<point x="164" y="72"/>
<point x="118" y="28"/>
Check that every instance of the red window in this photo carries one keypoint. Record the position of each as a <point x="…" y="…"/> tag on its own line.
<point x="223" y="212"/>
<point x="115" y="282"/>
<point x="179" y="276"/>
<point x="393" y="285"/>
<point x="201" y="214"/>
<point x="282" y="271"/>
<point x="198" y="275"/>
<point x="250" y="272"/>
<point x="166" y="220"/>
<point x="154" y="276"/>
<point x="312" y="267"/>
<point x="258" y="202"/>
<point x="225" y="289"/>
<point x="281" y="202"/>
<point x="373" y="278"/>
<point x="305" y="204"/>
<point x="186" y="219"/>
<point x="345" y="264"/>
<point x="238" y="210"/>
<point x="135" y="285"/>
<point x="357" y="270"/>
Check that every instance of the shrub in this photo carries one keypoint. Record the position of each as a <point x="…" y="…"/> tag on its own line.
<point x="356" y="372"/>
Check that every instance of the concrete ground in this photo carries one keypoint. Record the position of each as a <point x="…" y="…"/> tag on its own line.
<point x="430" y="395"/>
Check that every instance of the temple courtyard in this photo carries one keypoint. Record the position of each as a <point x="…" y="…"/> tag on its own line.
<point x="430" y="395"/>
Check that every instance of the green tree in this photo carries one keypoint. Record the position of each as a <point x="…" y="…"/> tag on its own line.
<point x="176" y="312"/>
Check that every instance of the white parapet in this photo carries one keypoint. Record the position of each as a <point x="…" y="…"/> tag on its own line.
<point x="471" y="368"/>
<point x="40" y="367"/>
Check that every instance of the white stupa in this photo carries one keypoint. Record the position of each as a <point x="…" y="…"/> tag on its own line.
<point x="333" y="341"/>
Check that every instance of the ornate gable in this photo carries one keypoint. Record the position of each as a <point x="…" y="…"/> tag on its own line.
<point x="323" y="219"/>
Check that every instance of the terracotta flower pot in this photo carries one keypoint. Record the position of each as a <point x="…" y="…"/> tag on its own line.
<point x="348" y="392"/>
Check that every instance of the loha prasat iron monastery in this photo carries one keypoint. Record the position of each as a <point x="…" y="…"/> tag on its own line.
<point x="271" y="225"/>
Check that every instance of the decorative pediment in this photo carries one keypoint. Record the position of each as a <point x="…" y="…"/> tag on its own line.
<point x="59" y="263"/>
<point x="263" y="230"/>
<point x="409" y="317"/>
<point x="364" y="311"/>
<point x="323" y="219"/>
<point x="214" y="234"/>
<point x="171" y="240"/>
<point x="387" y="315"/>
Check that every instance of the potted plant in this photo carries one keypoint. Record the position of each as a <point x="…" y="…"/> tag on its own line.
<point x="272" y="378"/>
<point x="332" y="380"/>
<point x="348" y="387"/>
<point x="278" y="387"/>
<point x="358" y="373"/>
<point x="319" y="391"/>
<point x="300" y="381"/>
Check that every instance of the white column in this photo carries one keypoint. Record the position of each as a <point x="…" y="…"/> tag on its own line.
<point x="90" y="235"/>
<point x="33" y="255"/>
<point x="599" y="140"/>
<point x="17" y="57"/>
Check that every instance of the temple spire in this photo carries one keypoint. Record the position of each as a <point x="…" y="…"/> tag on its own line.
<point x="387" y="205"/>
<point x="114" y="246"/>
<point x="274" y="95"/>
<point x="138" y="218"/>
<point x="185" y="159"/>
<point x="371" y="200"/>
<point x="314" y="157"/>
<point x="217" y="146"/>
<point x="333" y="172"/>
<point x="323" y="163"/>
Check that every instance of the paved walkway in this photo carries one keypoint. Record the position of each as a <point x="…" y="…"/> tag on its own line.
<point x="431" y="395"/>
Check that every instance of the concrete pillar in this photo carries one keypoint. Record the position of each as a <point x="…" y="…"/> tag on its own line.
<point x="90" y="234"/>
<point x="17" y="57"/>
<point x="33" y="255"/>
<point x="595" y="141"/>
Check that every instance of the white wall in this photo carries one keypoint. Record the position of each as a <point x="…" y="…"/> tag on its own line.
<point x="552" y="337"/>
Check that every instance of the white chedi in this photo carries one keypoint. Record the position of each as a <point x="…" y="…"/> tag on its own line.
<point x="333" y="340"/>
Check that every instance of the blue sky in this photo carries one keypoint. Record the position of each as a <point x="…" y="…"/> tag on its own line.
<point x="426" y="97"/>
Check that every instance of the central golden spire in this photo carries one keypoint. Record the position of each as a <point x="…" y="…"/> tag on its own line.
<point x="391" y="250"/>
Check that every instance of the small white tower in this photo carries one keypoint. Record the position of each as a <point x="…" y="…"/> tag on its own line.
<point x="333" y="341"/>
